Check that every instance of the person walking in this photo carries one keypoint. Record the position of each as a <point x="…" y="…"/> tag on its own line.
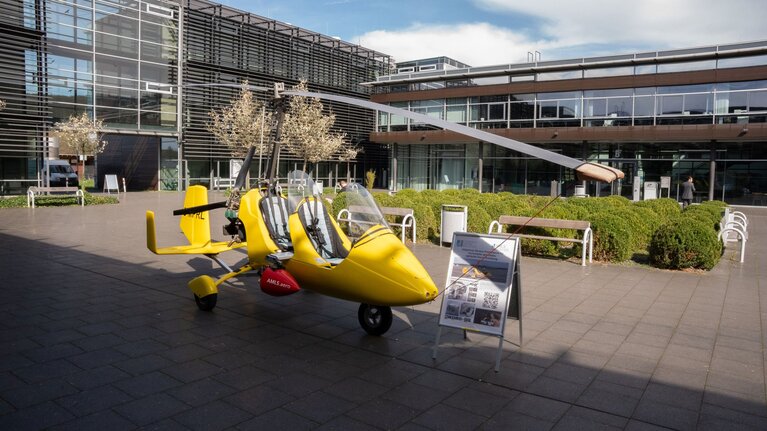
<point x="688" y="188"/>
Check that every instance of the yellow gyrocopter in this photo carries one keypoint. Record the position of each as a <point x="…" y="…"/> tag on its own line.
<point x="293" y="243"/>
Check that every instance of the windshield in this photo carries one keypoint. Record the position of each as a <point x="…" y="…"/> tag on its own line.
<point x="300" y="187"/>
<point x="360" y="203"/>
<point x="362" y="206"/>
<point x="61" y="169"/>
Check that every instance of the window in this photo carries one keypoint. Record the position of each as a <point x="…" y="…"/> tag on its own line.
<point x="159" y="10"/>
<point x="156" y="87"/>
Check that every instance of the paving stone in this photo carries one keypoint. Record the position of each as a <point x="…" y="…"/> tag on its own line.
<point x="508" y="420"/>
<point x="37" y="393"/>
<point x="151" y="409"/>
<point x="383" y="413"/>
<point x="447" y="418"/>
<point x="90" y="401"/>
<point x="40" y="416"/>
<point x="147" y="384"/>
<point x="665" y="415"/>
<point x="201" y="392"/>
<point x="216" y="415"/>
<point x="486" y="402"/>
<point x="90" y="379"/>
<point x="98" y="421"/>
<point x="320" y="406"/>
<point x="278" y="419"/>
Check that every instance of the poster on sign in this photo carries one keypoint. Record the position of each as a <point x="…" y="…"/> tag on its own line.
<point x="478" y="291"/>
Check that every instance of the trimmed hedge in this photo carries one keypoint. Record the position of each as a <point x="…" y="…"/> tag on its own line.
<point x="613" y="237"/>
<point x="57" y="201"/>
<point x="621" y="228"/>
<point x="685" y="242"/>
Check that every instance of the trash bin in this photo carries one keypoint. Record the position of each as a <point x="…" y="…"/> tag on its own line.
<point x="453" y="219"/>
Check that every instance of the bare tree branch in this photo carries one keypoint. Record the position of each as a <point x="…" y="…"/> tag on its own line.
<point x="306" y="131"/>
<point x="242" y="124"/>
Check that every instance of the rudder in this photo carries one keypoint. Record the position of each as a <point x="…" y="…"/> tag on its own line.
<point x="196" y="226"/>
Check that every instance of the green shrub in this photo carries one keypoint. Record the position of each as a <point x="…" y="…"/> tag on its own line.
<point x="719" y="204"/>
<point x="613" y="237"/>
<point x="685" y="242"/>
<point x="587" y="205"/>
<point x="709" y="214"/>
<point x="615" y="201"/>
<point x="478" y="219"/>
<point x="427" y="226"/>
<point x="644" y="222"/>
<point x="426" y="223"/>
<point x="339" y="203"/>
<point x="408" y="193"/>
<point x="666" y="208"/>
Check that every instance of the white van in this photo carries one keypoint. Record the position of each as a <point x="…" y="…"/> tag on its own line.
<point x="60" y="173"/>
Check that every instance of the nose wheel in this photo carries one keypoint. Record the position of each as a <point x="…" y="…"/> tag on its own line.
<point x="207" y="302"/>
<point x="374" y="319"/>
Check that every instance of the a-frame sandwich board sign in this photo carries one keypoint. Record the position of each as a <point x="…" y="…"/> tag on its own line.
<point x="482" y="288"/>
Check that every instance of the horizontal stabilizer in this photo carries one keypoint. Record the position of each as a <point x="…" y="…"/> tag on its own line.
<point x="204" y="247"/>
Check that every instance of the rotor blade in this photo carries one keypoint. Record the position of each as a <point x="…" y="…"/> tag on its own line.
<point x="200" y="208"/>
<point x="244" y="169"/>
<point x="586" y="172"/>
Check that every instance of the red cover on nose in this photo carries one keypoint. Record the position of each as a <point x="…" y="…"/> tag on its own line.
<point x="278" y="282"/>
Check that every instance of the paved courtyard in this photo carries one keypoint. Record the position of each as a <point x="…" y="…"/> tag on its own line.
<point x="98" y="333"/>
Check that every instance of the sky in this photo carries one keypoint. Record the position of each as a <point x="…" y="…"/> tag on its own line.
<point x="492" y="32"/>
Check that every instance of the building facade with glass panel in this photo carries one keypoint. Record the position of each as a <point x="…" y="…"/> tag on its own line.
<point x="151" y="70"/>
<point x="699" y="112"/>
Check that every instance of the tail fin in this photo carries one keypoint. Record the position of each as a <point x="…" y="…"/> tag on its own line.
<point x="196" y="227"/>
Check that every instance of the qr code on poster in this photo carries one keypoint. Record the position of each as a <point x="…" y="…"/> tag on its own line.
<point x="490" y="300"/>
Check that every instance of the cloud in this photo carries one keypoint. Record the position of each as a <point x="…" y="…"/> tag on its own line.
<point x="663" y="23"/>
<point x="473" y="44"/>
<point x="572" y="29"/>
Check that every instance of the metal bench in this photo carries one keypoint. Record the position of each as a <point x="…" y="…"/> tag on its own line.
<point x="734" y="223"/>
<point x="35" y="192"/>
<point x="587" y="241"/>
<point x="407" y="221"/>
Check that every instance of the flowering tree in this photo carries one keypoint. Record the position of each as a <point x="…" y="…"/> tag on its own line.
<point x="306" y="129"/>
<point x="242" y="124"/>
<point x="80" y="136"/>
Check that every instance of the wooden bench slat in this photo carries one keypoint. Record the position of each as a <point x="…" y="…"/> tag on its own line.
<point x="587" y="240"/>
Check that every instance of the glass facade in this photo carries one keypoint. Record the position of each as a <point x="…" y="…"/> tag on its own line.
<point x="721" y="103"/>
<point x="124" y="62"/>
<point x="115" y="59"/>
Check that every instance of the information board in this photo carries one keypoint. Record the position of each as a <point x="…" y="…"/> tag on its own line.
<point x="480" y="281"/>
<point x="110" y="183"/>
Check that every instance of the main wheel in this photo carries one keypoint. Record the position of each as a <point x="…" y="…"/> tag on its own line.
<point x="207" y="302"/>
<point x="374" y="319"/>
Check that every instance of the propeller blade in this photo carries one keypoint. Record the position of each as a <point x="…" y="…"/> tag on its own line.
<point x="200" y="208"/>
<point x="244" y="169"/>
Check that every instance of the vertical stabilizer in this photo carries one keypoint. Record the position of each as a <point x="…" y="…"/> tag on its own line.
<point x="196" y="226"/>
